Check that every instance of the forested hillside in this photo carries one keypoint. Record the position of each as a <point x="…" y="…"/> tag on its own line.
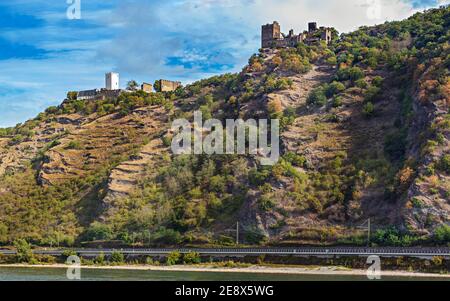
<point x="365" y="134"/>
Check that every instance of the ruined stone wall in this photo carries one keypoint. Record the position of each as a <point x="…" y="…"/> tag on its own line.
<point x="167" y="85"/>
<point x="147" y="87"/>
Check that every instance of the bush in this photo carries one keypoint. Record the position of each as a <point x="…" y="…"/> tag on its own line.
<point x="377" y="81"/>
<point x="445" y="163"/>
<point x="173" y="258"/>
<point x="258" y="178"/>
<point x="191" y="258"/>
<point x="371" y="94"/>
<point x="368" y="109"/>
<point x="295" y="159"/>
<point x="393" y="237"/>
<point x="117" y="257"/>
<point x="167" y="237"/>
<point x="266" y="203"/>
<point x="24" y="254"/>
<point x="100" y="259"/>
<point x="74" y="145"/>
<point x="98" y="231"/>
<point x="361" y="83"/>
<point x="255" y="236"/>
<point x="317" y="97"/>
<point x="337" y="101"/>
<point x="353" y="74"/>
<point x="442" y="234"/>
<point x="334" y="88"/>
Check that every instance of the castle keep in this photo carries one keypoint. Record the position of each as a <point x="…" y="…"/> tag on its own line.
<point x="273" y="37"/>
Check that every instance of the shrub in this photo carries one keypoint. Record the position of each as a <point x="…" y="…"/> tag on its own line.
<point x="445" y="163"/>
<point x="332" y="61"/>
<point x="100" y="259"/>
<point x="295" y="159"/>
<point x="266" y="203"/>
<point x="417" y="203"/>
<point x="337" y="101"/>
<point x="117" y="257"/>
<point x="98" y="231"/>
<point x="368" y="109"/>
<point x="295" y="63"/>
<point x="361" y="83"/>
<point x="258" y="178"/>
<point x="191" y="258"/>
<point x="255" y="236"/>
<point x="23" y="251"/>
<point x="442" y="234"/>
<point x="75" y="144"/>
<point x="377" y="81"/>
<point x="353" y="74"/>
<point x="68" y="253"/>
<point x="371" y="94"/>
<point x="167" y="236"/>
<point x="173" y="258"/>
<point x="317" y="97"/>
<point x="334" y="88"/>
<point x="393" y="237"/>
<point x="52" y="110"/>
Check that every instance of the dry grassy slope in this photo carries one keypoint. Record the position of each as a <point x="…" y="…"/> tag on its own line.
<point x="87" y="144"/>
<point x="18" y="156"/>
<point x="99" y="141"/>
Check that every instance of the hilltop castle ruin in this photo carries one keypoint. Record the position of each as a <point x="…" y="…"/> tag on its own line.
<point x="273" y="37"/>
<point x="112" y="89"/>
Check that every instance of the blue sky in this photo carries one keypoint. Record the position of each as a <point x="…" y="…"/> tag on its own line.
<point x="43" y="54"/>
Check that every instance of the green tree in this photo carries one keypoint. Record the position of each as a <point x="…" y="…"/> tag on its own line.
<point x="132" y="85"/>
<point x="3" y="233"/>
<point x="23" y="251"/>
<point x="72" y="95"/>
<point x="98" y="231"/>
<point x="157" y="86"/>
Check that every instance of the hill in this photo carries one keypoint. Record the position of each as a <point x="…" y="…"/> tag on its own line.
<point x="365" y="134"/>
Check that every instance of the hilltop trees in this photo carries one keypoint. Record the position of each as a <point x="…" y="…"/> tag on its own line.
<point x="132" y="85"/>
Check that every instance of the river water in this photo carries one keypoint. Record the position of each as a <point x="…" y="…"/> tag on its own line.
<point x="59" y="274"/>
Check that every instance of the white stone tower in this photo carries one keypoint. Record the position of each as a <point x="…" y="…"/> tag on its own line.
<point x="112" y="81"/>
